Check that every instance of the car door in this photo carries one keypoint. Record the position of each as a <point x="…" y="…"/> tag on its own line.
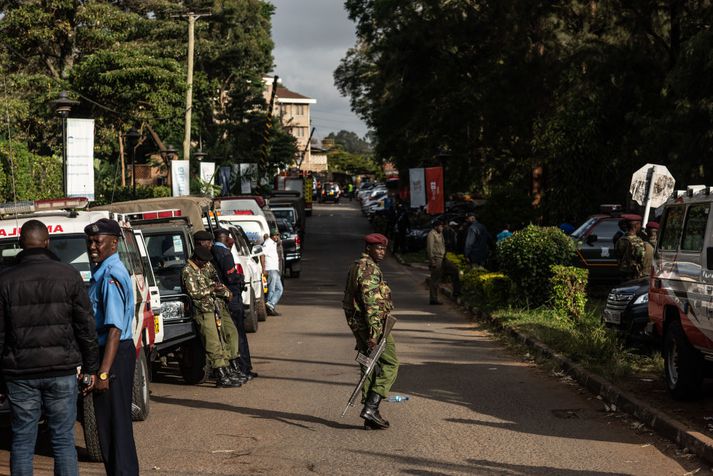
<point x="154" y="294"/>
<point x="597" y="250"/>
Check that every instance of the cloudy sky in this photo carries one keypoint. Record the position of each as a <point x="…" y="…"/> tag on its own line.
<point x="311" y="36"/>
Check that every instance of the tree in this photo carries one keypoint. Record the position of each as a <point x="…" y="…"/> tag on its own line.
<point x="350" y="142"/>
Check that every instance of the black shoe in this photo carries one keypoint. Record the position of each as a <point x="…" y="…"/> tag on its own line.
<point x="223" y="379"/>
<point x="369" y="425"/>
<point x="235" y="373"/>
<point x="272" y="312"/>
<point x="251" y="375"/>
<point x="370" y="412"/>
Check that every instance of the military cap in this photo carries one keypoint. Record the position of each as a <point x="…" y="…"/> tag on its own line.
<point x="202" y="236"/>
<point x="631" y="217"/>
<point x="220" y="232"/>
<point x="652" y="225"/>
<point x="203" y="254"/>
<point x="376" y="239"/>
<point x="103" y="226"/>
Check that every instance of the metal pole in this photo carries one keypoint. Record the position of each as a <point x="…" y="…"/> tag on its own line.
<point x="64" y="155"/>
<point x="189" y="89"/>
<point x="649" y="195"/>
<point x="133" y="172"/>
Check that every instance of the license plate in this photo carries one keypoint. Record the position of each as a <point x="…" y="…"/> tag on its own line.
<point x="612" y="317"/>
<point x="156" y="325"/>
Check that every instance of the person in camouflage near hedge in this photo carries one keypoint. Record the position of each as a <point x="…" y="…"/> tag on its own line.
<point x="631" y="250"/>
<point x="367" y="303"/>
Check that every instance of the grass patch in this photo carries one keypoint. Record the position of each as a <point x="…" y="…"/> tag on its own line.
<point x="586" y="341"/>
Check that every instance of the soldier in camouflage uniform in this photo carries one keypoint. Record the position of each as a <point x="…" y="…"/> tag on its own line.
<point x="631" y="251"/>
<point x="367" y="303"/>
<point x="209" y="296"/>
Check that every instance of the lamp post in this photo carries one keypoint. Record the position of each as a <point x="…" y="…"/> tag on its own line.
<point x="168" y="154"/>
<point x="63" y="106"/>
<point x="132" y="140"/>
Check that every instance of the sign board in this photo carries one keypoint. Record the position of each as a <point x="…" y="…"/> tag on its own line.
<point x="80" y="158"/>
<point x="207" y="177"/>
<point x="180" y="178"/>
<point x="248" y="177"/>
<point x="434" y="190"/>
<point x="655" y="178"/>
<point x="417" y="185"/>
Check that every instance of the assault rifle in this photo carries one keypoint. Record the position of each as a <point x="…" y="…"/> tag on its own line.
<point x="370" y="361"/>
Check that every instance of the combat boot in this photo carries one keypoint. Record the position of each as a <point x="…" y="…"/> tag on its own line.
<point x="235" y="372"/>
<point x="370" y="413"/>
<point x="223" y="380"/>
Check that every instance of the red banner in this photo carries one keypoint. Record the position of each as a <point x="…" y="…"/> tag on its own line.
<point x="434" y="190"/>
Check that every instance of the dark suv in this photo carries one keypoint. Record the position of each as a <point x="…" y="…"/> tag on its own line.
<point x="595" y="245"/>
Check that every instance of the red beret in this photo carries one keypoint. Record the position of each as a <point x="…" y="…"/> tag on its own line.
<point x="653" y="225"/>
<point x="376" y="239"/>
<point x="631" y="217"/>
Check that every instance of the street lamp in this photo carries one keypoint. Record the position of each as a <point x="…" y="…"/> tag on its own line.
<point x="132" y="140"/>
<point x="168" y="154"/>
<point x="63" y="106"/>
<point x="200" y="155"/>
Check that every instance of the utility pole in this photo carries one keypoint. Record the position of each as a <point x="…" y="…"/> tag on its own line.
<point x="304" y="152"/>
<point x="267" y="132"/>
<point x="192" y="17"/>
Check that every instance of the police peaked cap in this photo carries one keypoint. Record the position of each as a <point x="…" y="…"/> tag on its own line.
<point x="103" y="226"/>
<point x="376" y="239"/>
<point x="202" y="236"/>
<point x="203" y="254"/>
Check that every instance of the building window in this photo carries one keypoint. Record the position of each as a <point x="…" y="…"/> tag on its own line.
<point x="300" y="110"/>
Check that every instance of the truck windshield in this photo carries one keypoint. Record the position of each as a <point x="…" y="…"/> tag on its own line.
<point x="71" y="249"/>
<point x="285" y="213"/>
<point x="168" y="254"/>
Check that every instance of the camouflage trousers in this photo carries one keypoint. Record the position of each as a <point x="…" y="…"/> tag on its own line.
<point x="221" y="346"/>
<point x="384" y="375"/>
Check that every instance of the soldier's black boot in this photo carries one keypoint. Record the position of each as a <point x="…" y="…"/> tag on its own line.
<point x="222" y="378"/>
<point x="235" y="372"/>
<point x="370" y="413"/>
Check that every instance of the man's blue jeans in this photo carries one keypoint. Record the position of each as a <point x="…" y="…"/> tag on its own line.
<point x="58" y="397"/>
<point x="274" y="288"/>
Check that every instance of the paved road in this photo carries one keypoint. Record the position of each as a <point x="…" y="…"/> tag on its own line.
<point x="475" y="407"/>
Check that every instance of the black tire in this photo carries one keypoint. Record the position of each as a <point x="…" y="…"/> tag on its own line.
<point x="261" y="310"/>
<point x="140" y="393"/>
<point x="251" y="319"/>
<point x="683" y="364"/>
<point x="89" y="424"/>
<point x="193" y="363"/>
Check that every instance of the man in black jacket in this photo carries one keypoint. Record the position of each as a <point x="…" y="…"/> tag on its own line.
<point x="233" y="280"/>
<point x="46" y="316"/>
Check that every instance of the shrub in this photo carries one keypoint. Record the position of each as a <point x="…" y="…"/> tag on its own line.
<point x="568" y="290"/>
<point x="486" y="290"/>
<point x="458" y="260"/>
<point x="527" y="257"/>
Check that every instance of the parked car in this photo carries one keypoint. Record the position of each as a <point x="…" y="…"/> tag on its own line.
<point x="330" y="193"/>
<point x="681" y="293"/>
<point x="292" y="248"/>
<point x="627" y="310"/>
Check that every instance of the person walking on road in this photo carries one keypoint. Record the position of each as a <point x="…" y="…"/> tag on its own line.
<point x="477" y="241"/>
<point x="272" y="271"/>
<point x="46" y="331"/>
<point x="111" y="293"/>
<point x="367" y="303"/>
<point x="438" y="263"/>
<point x="234" y="280"/>
<point x="217" y="330"/>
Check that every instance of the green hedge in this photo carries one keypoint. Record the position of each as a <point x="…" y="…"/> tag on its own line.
<point x="487" y="291"/>
<point x="568" y="290"/>
<point x="528" y="256"/>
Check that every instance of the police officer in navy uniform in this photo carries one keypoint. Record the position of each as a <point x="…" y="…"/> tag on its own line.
<point x="235" y="281"/>
<point x="112" y="297"/>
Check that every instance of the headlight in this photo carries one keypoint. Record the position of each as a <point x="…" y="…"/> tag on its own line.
<point x="643" y="299"/>
<point x="172" y="310"/>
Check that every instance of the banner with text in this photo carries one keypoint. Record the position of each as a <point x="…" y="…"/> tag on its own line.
<point x="434" y="190"/>
<point x="80" y="158"/>
<point x="417" y="188"/>
<point x="180" y="178"/>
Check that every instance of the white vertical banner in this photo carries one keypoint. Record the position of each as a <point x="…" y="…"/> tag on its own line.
<point x="248" y="177"/>
<point x="80" y="158"/>
<point x="180" y="178"/>
<point x="208" y="172"/>
<point x="417" y="187"/>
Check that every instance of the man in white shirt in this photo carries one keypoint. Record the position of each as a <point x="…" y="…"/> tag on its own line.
<point x="272" y="271"/>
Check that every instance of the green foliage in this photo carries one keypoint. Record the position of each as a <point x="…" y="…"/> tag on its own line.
<point x="28" y="176"/>
<point x="568" y="288"/>
<point x="527" y="258"/>
<point x="342" y="161"/>
<point x="349" y="142"/>
<point x="123" y="194"/>
<point x="487" y="291"/>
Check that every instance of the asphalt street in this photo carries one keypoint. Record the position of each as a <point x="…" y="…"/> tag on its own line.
<point x="475" y="407"/>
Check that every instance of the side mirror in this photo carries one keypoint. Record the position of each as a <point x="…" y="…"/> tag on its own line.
<point x="591" y="239"/>
<point x="257" y="249"/>
<point x="709" y="257"/>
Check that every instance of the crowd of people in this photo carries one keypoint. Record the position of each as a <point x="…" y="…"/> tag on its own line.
<point x="59" y="339"/>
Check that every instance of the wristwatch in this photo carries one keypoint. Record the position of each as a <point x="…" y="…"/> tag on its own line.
<point x="103" y="376"/>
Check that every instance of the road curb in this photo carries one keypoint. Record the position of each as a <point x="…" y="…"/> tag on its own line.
<point x="400" y="260"/>
<point x="661" y="423"/>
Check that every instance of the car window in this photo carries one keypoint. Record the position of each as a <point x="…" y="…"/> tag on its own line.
<point x="287" y="214"/>
<point x="168" y="254"/>
<point x="695" y="229"/>
<point x="70" y="249"/>
<point x="253" y="230"/>
<point x="606" y="229"/>
<point x="672" y="228"/>
<point x="129" y="254"/>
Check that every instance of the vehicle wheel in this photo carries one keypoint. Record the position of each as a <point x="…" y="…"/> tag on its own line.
<point x="261" y="310"/>
<point x="193" y="364"/>
<point x="89" y="424"/>
<point x="140" y="395"/>
<point x="683" y="364"/>
<point x="251" y="316"/>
